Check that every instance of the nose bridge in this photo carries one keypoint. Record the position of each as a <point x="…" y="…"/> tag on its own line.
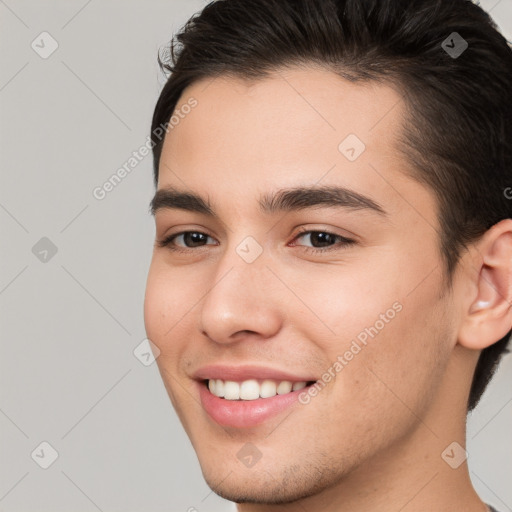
<point x="238" y="296"/>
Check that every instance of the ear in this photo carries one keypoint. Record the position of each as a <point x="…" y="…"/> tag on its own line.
<point x="488" y="314"/>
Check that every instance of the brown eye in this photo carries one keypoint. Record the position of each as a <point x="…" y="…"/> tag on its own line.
<point x="322" y="241"/>
<point x="189" y="239"/>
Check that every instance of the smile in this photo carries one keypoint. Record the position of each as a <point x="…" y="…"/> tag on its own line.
<point x="252" y="389"/>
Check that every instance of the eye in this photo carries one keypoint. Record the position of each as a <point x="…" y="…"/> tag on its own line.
<point x="190" y="239"/>
<point x="324" y="239"/>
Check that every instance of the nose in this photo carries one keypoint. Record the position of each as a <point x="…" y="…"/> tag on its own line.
<point x="241" y="299"/>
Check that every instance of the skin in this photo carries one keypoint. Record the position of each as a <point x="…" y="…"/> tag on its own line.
<point x="372" y="439"/>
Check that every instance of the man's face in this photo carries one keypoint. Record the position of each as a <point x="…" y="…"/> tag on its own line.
<point x="247" y="299"/>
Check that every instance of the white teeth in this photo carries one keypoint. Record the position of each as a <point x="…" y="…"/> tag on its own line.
<point x="268" y="389"/>
<point x="298" y="385"/>
<point x="231" y="390"/>
<point x="219" y="388"/>
<point x="216" y="387"/>
<point x="284" y="387"/>
<point x="251" y="389"/>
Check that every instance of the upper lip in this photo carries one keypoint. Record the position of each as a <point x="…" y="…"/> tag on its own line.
<point x="240" y="373"/>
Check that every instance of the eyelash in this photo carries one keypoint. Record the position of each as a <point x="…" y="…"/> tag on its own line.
<point x="345" y="242"/>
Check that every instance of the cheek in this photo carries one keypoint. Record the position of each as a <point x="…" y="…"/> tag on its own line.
<point x="165" y="308"/>
<point x="345" y="300"/>
<point x="391" y="332"/>
<point x="389" y="292"/>
<point x="155" y="300"/>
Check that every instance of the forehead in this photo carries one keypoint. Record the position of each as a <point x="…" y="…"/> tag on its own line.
<point x="298" y="126"/>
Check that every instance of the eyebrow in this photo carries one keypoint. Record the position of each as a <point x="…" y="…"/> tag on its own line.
<point x="284" y="200"/>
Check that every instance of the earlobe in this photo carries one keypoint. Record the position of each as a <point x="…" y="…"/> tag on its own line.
<point x="489" y="316"/>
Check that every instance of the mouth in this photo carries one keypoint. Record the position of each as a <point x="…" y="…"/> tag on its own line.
<point x="253" y="389"/>
<point x="247" y="396"/>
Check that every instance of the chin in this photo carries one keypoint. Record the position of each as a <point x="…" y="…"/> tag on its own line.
<point x="268" y="494"/>
<point x="269" y="487"/>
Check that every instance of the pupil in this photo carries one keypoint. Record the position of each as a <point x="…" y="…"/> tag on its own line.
<point x="193" y="238"/>
<point x="319" y="236"/>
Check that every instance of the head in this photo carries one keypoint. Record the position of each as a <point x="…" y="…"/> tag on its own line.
<point x="361" y="102"/>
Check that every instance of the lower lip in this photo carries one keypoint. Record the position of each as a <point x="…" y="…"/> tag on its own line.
<point x="245" y="413"/>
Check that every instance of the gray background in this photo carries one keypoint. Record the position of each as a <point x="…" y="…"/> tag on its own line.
<point x="69" y="325"/>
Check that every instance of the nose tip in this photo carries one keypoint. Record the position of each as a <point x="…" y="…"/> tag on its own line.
<point x="239" y="305"/>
